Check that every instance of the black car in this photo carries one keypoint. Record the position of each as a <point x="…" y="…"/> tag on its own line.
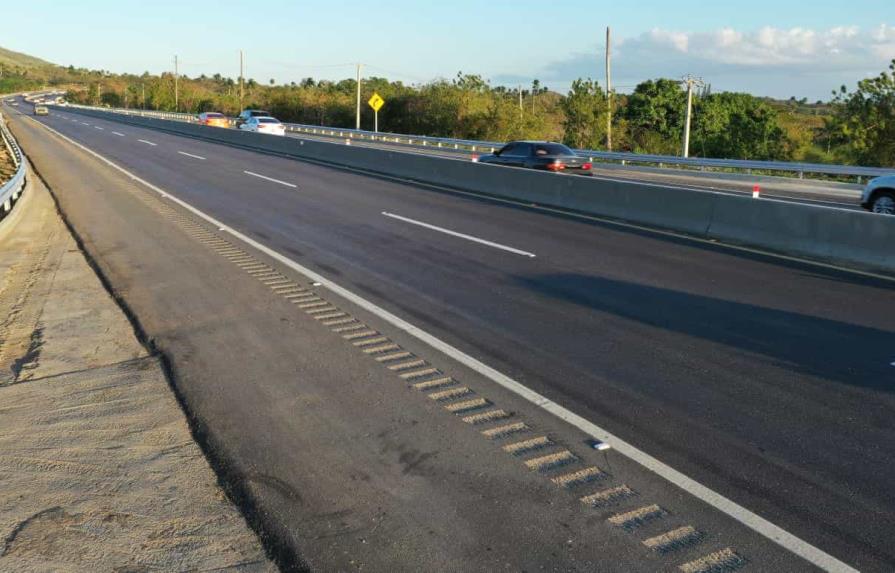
<point x="542" y="155"/>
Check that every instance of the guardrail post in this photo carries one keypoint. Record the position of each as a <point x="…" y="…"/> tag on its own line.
<point x="801" y="174"/>
<point x="7" y="206"/>
<point x="860" y="180"/>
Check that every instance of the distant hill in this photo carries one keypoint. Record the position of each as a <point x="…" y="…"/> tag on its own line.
<point x="8" y="58"/>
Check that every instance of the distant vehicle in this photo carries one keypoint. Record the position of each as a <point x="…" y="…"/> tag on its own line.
<point x="41" y="110"/>
<point x="879" y="195"/>
<point x="542" y="155"/>
<point x="264" y="125"/>
<point x="15" y="103"/>
<point x="213" y="119"/>
<point x="250" y="113"/>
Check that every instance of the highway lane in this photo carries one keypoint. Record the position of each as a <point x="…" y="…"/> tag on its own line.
<point x="816" y="192"/>
<point x="725" y="365"/>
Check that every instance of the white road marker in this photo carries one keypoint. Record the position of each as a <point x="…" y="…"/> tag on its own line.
<point x="147" y="142"/>
<point x="87" y="124"/>
<point x="270" y="179"/>
<point x="191" y="155"/>
<point x="118" y="134"/>
<point x="460" y="235"/>
<point x="98" y="127"/>
<point x="796" y="545"/>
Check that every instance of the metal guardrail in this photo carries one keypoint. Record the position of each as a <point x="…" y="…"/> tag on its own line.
<point x="10" y="191"/>
<point x="472" y="146"/>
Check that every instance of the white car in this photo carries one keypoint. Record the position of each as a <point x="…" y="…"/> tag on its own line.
<point x="264" y="125"/>
<point x="879" y="195"/>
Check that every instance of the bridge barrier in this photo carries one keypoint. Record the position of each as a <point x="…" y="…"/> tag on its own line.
<point x="852" y="238"/>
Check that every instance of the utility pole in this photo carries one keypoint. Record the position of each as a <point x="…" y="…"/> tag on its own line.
<point x="241" y="74"/>
<point x="357" y="115"/>
<point x="143" y="90"/>
<point x="690" y="81"/>
<point x="520" y="101"/>
<point x="176" y="93"/>
<point x="99" y="94"/>
<point x="608" y="89"/>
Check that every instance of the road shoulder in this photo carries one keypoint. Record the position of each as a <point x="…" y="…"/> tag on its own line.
<point x="96" y="457"/>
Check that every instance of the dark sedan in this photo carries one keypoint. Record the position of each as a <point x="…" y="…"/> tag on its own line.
<point x="542" y="155"/>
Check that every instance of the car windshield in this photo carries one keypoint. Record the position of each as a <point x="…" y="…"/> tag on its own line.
<point x="214" y="115"/>
<point x="545" y="149"/>
<point x="267" y="120"/>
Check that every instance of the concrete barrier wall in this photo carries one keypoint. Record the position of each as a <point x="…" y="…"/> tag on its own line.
<point x="852" y="238"/>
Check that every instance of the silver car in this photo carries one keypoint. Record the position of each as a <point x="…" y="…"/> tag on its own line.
<point x="879" y="195"/>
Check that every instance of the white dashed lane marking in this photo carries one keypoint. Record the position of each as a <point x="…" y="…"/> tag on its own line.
<point x="266" y="178"/>
<point x="191" y="155"/>
<point x="98" y="127"/>
<point x="147" y="142"/>
<point x="460" y="235"/>
<point x="118" y="134"/>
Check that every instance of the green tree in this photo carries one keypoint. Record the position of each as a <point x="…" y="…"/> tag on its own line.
<point x="655" y="116"/>
<point x="738" y="126"/>
<point x="585" y="109"/>
<point x="863" y="125"/>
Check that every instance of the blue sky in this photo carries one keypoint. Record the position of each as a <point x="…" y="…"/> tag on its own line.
<point x="779" y="48"/>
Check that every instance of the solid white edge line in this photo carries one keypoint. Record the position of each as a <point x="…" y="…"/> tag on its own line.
<point x="752" y="520"/>
<point x="147" y="142"/>
<point x="270" y="179"/>
<point x="460" y="235"/>
<point x="191" y="155"/>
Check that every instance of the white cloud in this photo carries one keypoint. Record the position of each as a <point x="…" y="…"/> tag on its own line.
<point x="768" y="61"/>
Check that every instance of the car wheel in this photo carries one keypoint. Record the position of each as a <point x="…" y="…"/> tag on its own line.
<point x="884" y="204"/>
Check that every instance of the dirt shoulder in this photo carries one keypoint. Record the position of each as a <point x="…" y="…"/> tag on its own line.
<point x="96" y="459"/>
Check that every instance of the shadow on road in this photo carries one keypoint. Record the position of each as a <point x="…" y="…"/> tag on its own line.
<point x="846" y="353"/>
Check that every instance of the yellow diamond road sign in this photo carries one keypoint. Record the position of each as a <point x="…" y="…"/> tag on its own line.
<point x="376" y="102"/>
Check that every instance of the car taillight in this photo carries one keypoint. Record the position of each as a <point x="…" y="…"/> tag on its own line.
<point x="586" y="166"/>
<point x="556" y="166"/>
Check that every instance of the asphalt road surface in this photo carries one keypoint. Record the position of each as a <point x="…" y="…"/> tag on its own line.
<point x="769" y="381"/>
